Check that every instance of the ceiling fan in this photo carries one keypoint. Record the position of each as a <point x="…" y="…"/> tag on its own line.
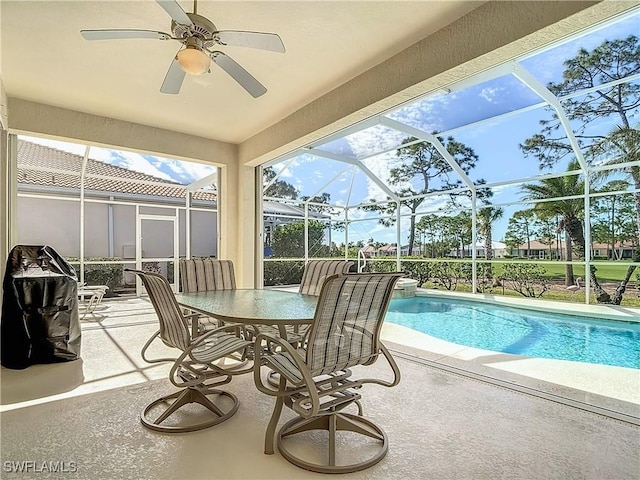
<point x="198" y="36"/>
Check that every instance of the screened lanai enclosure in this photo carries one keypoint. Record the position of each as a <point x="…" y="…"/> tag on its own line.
<point x="523" y="180"/>
<point x="107" y="210"/>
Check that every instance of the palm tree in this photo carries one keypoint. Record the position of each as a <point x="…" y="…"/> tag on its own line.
<point x="485" y="217"/>
<point x="569" y="210"/>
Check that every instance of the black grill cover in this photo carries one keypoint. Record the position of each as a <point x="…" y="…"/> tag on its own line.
<point x="39" y="309"/>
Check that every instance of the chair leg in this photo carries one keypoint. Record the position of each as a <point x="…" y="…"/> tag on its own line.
<point x="333" y="423"/>
<point x="273" y="422"/>
<point x="185" y="397"/>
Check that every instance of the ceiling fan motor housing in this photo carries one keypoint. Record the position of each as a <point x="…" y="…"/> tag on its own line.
<point x="202" y="27"/>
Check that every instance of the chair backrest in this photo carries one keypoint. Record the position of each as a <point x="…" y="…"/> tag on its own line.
<point x="316" y="271"/>
<point x="198" y="275"/>
<point x="174" y="330"/>
<point x="347" y="322"/>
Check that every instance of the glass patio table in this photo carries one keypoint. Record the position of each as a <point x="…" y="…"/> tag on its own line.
<point x="253" y="307"/>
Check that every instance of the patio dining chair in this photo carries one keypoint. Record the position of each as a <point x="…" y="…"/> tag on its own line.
<point x="196" y="368"/>
<point x="316" y="271"/>
<point x="314" y="274"/>
<point x="316" y="381"/>
<point x="206" y="274"/>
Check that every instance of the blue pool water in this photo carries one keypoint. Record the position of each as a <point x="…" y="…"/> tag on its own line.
<point x="522" y="332"/>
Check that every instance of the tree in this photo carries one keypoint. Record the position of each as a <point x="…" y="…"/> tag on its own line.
<point x="613" y="218"/>
<point x="279" y="188"/>
<point x="485" y="217"/>
<point x="596" y="71"/>
<point x="547" y="229"/>
<point x="612" y="60"/>
<point x="625" y="140"/>
<point x="420" y="163"/>
<point x="520" y="229"/>
<point x="570" y="210"/>
<point x="458" y="230"/>
<point x="288" y="240"/>
<point x="428" y="227"/>
<point x="324" y="199"/>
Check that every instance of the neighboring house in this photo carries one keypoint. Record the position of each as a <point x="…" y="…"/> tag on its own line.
<point x="115" y="197"/>
<point x="548" y="250"/>
<point x="557" y="251"/>
<point x="387" y="250"/>
<point x="620" y="250"/>
<point x="49" y="193"/>
<point x="499" y="250"/>
<point x="369" y="251"/>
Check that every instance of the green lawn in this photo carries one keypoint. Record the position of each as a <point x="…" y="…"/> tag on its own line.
<point x="631" y="297"/>
<point x="555" y="273"/>
<point x="606" y="273"/>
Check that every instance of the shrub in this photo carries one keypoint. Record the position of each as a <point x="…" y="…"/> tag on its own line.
<point x="525" y="278"/>
<point x="485" y="278"/>
<point x="282" y="273"/>
<point x="381" y="266"/>
<point x="420" y="271"/>
<point x="108" y="274"/>
<point x="448" y="274"/>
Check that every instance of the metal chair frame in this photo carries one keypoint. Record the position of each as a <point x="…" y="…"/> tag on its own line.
<point x="194" y="371"/>
<point x="318" y="389"/>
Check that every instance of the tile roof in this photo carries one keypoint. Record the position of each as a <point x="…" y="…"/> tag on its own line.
<point x="45" y="166"/>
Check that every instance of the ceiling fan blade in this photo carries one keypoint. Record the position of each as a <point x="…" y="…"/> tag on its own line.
<point x="239" y="74"/>
<point x="175" y="11"/>
<point x="118" y="34"/>
<point x="263" y="41"/>
<point x="174" y="78"/>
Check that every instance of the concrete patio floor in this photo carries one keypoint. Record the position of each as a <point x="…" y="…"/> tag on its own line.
<point x="457" y="413"/>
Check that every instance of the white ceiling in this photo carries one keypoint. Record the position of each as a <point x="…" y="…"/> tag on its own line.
<point x="45" y="60"/>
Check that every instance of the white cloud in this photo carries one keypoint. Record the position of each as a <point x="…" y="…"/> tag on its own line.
<point x="129" y="160"/>
<point x="188" y="171"/>
<point x="490" y="93"/>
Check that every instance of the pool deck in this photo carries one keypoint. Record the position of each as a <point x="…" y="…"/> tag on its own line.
<point x="458" y="413"/>
<point x="614" y="391"/>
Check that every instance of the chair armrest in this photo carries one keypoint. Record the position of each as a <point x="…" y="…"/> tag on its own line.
<point x="146" y="346"/>
<point x="306" y="384"/>
<point x="394" y="368"/>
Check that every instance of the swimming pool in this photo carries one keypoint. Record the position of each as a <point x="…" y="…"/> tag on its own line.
<point x="522" y="332"/>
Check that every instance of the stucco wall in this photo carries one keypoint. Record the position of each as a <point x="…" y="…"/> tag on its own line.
<point x="57" y="223"/>
<point x="50" y="222"/>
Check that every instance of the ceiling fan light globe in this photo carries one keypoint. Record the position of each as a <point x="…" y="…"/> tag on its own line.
<point x="193" y="60"/>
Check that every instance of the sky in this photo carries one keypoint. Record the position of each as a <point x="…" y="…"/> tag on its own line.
<point x="496" y="142"/>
